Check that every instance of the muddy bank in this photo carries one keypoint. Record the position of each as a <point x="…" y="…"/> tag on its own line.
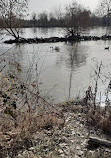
<point x="57" y="39"/>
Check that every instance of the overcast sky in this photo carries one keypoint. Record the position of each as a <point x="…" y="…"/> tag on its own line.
<point x="46" y="5"/>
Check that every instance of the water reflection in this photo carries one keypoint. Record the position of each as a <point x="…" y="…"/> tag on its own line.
<point x="69" y="68"/>
<point x="44" y="30"/>
<point x="74" y="61"/>
<point x="75" y="56"/>
<point x="34" y="30"/>
<point x="72" y="58"/>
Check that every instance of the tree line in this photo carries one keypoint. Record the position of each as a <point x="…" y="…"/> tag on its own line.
<point x="73" y="19"/>
<point x="45" y="19"/>
<point x="73" y="13"/>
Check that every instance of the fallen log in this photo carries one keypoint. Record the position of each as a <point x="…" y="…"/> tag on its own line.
<point x="94" y="143"/>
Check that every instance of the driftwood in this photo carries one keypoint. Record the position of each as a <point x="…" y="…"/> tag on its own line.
<point x="94" y="143"/>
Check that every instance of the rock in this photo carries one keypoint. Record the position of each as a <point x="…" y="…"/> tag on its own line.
<point x="80" y="154"/>
<point x="79" y="115"/>
<point x="79" y="134"/>
<point x="31" y="149"/>
<point x="57" y="39"/>
<point x="78" y="147"/>
<point x="60" y="151"/>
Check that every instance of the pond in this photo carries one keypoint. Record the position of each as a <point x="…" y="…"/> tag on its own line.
<point x="64" y="70"/>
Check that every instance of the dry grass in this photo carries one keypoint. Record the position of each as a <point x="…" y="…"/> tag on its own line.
<point x="18" y="136"/>
<point x="96" y="115"/>
<point x="22" y="113"/>
<point x="100" y="118"/>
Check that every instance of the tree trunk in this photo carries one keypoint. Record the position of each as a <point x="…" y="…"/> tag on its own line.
<point x="96" y="142"/>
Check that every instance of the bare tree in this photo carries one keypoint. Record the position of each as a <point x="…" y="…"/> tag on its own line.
<point x="104" y="10"/>
<point x="12" y="14"/>
<point x="43" y="19"/>
<point x="34" y="18"/>
<point x="59" y="15"/>
<point x="53" y="21"/>
<point x="76" y="18"/>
